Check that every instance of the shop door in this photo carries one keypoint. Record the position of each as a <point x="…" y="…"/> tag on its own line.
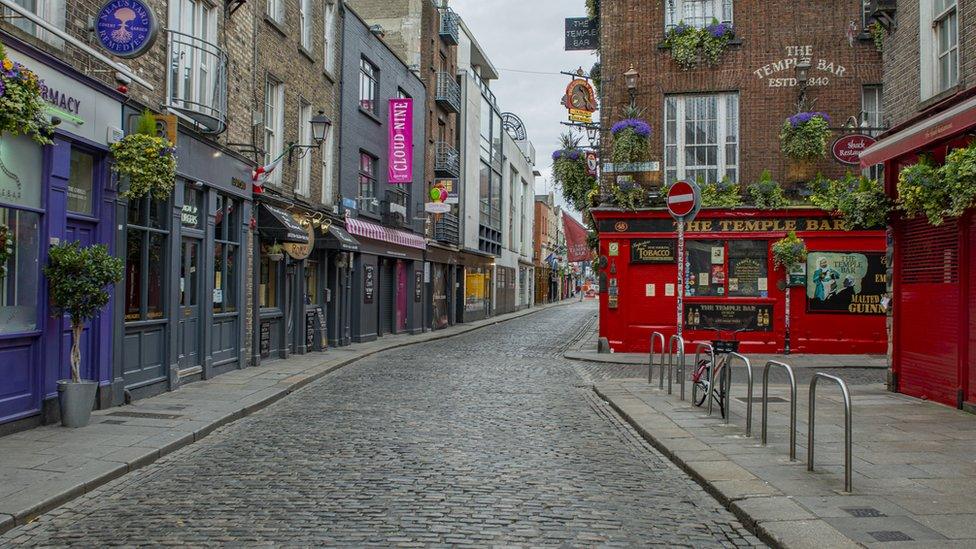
<point x="971" y="291"/>
<point x="928" y="319"/>
<point x="189" y="313"/>
<point x="440" y="289"/>
<point x="387" y="304"/>
<point x="401" y="296"/>
<point x="82" y="232"/>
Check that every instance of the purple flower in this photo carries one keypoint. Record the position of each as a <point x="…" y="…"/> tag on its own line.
<point x="574" y="154"/>
<point x="556" y="155"/>
<point x="3" y="89"/>
<point x="719" y="30"/>
<point x="804" y="117"/>
<point x="680" y="29"/>
<point x="639" y="126"/>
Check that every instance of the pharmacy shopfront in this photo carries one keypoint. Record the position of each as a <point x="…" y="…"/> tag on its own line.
<point x="50" y="194"/>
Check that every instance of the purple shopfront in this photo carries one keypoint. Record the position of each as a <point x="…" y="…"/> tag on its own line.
<point x="50" y="194"/>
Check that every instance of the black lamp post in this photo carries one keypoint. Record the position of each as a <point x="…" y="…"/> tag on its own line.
<point x="321" y="125"/>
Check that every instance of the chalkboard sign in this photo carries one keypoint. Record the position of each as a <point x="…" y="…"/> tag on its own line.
<point x="320" y="315"/>
<point x="582" y="33"/>
<point x="265" y="339"/>
<point x="418" y="292"/>
<point x="369" y="283"/>
<point x="310" y="322"/>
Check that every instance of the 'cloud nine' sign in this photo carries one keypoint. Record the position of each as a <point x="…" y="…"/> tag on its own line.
<point x="401" y="141"/>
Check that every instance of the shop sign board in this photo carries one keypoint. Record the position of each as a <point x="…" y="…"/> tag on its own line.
<point x="632" y="167"/>
<point x="400" y="141"/>
<point x="847" y="149"/>
<point x="126" y="28"/>
<point x="580" y="100"/>
<point x="369" y="283"/>
<point x="655" y="251"/>
<point x="725" y="316"/>
<point x="592" y="163"/>
<point x="846" y="283"/>
<point x="751" y="225"/>
<point x="582" y="33"/>
<point x="418" y="286"/>
<point x="779" y="73"/>
<point x="302" y="250"/>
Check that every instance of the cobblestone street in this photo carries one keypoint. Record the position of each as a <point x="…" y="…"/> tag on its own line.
<point x="486" y="438"/>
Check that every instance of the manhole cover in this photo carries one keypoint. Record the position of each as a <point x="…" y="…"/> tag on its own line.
<point x="864" y="512"/>
<point x="145" y="415"/>
<point x="890" y="535"/>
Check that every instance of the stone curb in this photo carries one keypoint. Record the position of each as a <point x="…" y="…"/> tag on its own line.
<point x="793" y="532"/>
<point x="50" y="502"/>
<point x="609" y="358"/>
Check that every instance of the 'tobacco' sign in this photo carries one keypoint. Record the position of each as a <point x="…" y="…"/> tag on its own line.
<point x="848" y="149"/>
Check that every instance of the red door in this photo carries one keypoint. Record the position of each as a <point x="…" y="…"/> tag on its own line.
<point x="927" y="333"/>
<point x="970" y="276"/>
<point x="401" y="303"/>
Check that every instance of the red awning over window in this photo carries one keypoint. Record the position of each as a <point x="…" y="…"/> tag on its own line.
<point x="918" y="136"/>
<point x="366" y="229"/>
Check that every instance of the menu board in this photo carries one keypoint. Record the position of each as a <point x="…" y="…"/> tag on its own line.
<point x="418" y="292"/>
<point x="369" y="283"/>
<point x="265" y="339"/>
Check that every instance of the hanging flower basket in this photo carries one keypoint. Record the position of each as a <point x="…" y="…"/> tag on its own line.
<point x="630" y="141"/>
<point x="805" y="136"/>
<point x="275" y="252"/>
<point x="6" y="248"/>
<point x="21" y="105"/>
<point x="570" y="173"/>
<point x="789" y="252"/>
<point x="146" y="160"/>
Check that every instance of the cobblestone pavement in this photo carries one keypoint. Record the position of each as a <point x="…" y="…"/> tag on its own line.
<point x="483" y="439"/>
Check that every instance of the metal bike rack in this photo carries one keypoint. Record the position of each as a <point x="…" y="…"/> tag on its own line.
<point x="681" y="363"/>
<point x="721" y="366"/>
<point x="847" y="425"/>
<point x="655" y="336"/>
<point x="728" y="411"/>
<point x="765" y="403"/>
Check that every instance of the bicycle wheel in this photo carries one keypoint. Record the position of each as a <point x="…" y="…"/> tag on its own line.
<point x="699" y="388"/>
<point x="721" y="394"/>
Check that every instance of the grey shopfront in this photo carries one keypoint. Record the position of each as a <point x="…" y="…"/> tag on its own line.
<point x="183" y="295"/>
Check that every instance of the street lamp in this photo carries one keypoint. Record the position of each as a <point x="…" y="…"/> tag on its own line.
<point x="592" y="134"/>
<point x="630" y="77"/>
<point x="321" y="125"/>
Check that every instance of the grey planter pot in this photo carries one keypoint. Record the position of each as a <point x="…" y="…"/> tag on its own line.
<point x="76" y="400"/>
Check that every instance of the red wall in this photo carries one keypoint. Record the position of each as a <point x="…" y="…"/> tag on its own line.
<point x="628" y="327"/>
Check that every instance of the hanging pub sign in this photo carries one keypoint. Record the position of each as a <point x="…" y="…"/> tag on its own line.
<point x="652" y="251"/>
<point x="301" y="250"/>
<point x="126" y="28"/>
<point x="846" y="283"/>
<point x="724" y="316"/>
<point x="400" y="141"/>
<point x="580" y="100"/>
<point x="369" y="283"/>
<point x="582" y="33"/>
<point x="847" y="149"/>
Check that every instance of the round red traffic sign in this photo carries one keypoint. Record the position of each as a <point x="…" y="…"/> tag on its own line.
<point x="683" y="199"/>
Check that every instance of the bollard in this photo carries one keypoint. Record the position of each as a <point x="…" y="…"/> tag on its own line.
<point x="848" y="446"/>
<point x="765" y="397"/>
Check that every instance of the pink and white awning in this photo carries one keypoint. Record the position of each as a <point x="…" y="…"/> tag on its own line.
<point x="366" y="229"/>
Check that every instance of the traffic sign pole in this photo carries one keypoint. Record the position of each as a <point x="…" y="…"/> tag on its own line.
<point x="680" y="292"/>
<point x="683" y="201"/>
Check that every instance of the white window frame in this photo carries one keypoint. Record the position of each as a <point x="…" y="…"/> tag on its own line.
<point x="930" y="22"/>
<point x="276" y="10"/>
<point x="697" y="13"/>
<point x="274" y="124"/>
<point x="303" y="181"/>
<point x="873" y="94"/>
<point x="726" y="138"/>
<point x="305" y="17"/>
<point x="52" y="11"/>
<point x="329" y="36"/>
<point x="194" y="65"/>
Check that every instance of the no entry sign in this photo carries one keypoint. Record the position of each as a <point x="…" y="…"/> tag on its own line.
<point x="683" y="200"/>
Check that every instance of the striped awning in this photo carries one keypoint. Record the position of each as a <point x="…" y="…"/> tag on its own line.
<point x="366" y="229"/>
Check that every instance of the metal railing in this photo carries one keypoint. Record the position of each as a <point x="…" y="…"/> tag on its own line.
<point x="848" y="446"/>
<point x="446" y="229"/>
<point x="447" y="160"/>
<point x="765" y="403"/>
<point x="448" y="92"/>
<point x="655" y="336"/>
<point x="450" y="27"/>
<point x="681" y="363"/>
<point x="197" y="80"/>
<point x="749" y="385"/>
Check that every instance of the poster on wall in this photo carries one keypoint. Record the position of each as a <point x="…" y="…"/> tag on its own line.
<point x="727" y="316"/>
<point x="369" y="283"/>
<point x="846" y="283"/>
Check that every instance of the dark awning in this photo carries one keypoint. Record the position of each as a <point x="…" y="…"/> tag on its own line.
<point x="277" y="224"/>
<point x="336" y="238"/>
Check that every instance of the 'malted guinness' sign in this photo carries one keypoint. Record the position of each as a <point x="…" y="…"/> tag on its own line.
<point x="652" y="251"/>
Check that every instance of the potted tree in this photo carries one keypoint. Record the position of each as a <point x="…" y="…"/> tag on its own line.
<point x="77" y="278"/>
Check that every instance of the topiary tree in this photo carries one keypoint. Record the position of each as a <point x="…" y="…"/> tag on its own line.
<point x="77" y="278"/>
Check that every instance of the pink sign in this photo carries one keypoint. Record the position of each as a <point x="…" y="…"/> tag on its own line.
<point x="401" y="141"/>
<point x="848" y="149"/>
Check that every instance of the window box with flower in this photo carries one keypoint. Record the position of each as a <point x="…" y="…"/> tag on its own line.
<point x="691" y="46"/>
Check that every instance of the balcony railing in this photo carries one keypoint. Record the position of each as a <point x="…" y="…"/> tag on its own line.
<point x="447" y="160"/>
<point x="446" y="229"/>
<point x="448" y="92"/>
<point x="198" y="81"/>
<point x="450" y="28"/>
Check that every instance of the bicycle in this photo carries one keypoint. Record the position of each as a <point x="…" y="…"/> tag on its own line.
<point x="722" y="348"/>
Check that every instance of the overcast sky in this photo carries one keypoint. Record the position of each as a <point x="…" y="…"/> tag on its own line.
<point x="529" y="35"/>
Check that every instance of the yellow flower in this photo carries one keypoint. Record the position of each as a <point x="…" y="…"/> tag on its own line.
<point x="8" y="64"/>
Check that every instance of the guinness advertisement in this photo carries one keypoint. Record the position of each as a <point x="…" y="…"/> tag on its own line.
<point x="846" y="283"/>
<point x="723" y="316"/>
<point x="652" y="251"/>
<point x="756" y="225"/>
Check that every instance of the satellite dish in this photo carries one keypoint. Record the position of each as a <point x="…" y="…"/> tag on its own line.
<point x="514" y="126"/>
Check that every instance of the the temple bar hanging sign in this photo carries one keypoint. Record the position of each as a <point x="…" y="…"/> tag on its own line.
<point x="582" y="33"/>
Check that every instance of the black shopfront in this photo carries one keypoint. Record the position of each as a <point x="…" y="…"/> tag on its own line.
<point x="183" y="294"/>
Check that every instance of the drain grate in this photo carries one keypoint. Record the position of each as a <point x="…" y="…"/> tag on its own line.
<point x="863" y="512"/>
<point x="114" y="422"/>
<point x="891" y="535"/>
<point x="145" y="415"/>
<point x="759" y="401"/>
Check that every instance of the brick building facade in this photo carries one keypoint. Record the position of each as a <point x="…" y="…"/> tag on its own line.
<point x="754" y="82"/>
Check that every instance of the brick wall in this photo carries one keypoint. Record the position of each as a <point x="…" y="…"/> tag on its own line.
<point x="632" y="30"/>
